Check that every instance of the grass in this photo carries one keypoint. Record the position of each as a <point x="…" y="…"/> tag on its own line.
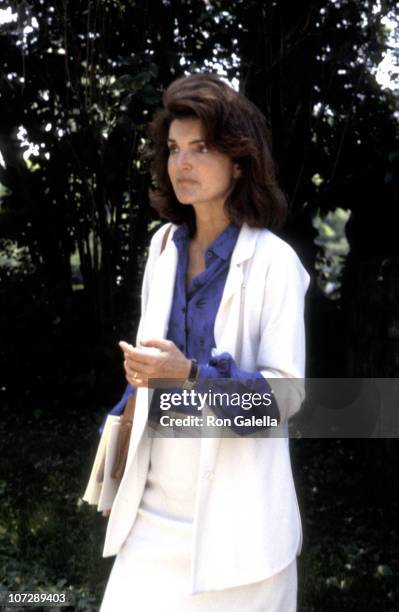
<point x="51" y="541"/>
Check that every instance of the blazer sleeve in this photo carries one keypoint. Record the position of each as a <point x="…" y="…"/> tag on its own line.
<point x="281" y="351"/>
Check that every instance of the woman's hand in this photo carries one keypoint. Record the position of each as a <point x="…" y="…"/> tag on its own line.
<point x="167" y="362"/>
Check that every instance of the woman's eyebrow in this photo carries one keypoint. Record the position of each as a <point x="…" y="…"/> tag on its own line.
<point x="191" y="141"/>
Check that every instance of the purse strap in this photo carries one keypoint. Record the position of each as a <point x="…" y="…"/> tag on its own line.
<point x="127" y="415"/>
<point x="165" y="239"/>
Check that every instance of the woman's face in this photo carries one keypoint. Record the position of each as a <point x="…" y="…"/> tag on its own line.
<point x="200" y="176"/>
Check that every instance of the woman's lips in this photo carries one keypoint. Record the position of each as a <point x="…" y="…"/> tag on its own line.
<point x="187" y="181"/>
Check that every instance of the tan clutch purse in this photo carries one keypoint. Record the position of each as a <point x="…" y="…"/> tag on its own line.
<point x="110" y="460"/>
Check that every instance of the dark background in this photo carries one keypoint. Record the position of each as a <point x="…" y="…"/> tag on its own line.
<point x="79" y="82"/>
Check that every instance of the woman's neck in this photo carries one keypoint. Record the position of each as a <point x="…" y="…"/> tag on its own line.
<point x="208" y="228"/>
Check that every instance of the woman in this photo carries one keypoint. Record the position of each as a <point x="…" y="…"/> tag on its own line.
<point x="212" y="523"/>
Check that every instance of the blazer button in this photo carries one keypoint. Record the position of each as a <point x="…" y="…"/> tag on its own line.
<point x="209" y="474"/>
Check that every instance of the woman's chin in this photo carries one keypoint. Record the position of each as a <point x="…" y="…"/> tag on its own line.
<point x="184" y="201"/>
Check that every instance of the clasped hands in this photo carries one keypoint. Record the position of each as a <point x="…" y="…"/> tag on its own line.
<point x="168" y="362"/>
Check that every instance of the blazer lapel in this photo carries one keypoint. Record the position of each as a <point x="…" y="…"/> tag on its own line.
<point x="226" y="326"/>
<point x="243" y="250"/>
<point x="159" y="303"/>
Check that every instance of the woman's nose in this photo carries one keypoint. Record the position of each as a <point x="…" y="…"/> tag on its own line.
<point x="183" y="158"/>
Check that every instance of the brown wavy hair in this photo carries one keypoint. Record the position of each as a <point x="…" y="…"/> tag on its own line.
<point x="234" y="126"/>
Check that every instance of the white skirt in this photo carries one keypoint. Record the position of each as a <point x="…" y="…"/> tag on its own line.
<point x="152" y="571"/>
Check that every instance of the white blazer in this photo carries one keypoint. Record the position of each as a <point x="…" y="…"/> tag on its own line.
<point x="247" y="525"/>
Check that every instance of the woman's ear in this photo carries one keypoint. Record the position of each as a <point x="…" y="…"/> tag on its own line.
<point x="236" y="171"/>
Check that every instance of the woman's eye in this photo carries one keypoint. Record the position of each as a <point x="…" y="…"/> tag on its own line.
<point x="200" y="149"/>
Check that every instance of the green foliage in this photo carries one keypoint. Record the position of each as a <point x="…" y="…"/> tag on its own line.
<point x="49" y="539"/>
<point x="350" y="554"/>
<point x="333" y="249"/>
<point x="89" y="80"/>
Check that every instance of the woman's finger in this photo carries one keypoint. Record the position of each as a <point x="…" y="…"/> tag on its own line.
<point x="133" y="372"/>
<point x="138" y="363"/>
<point x="135" y="380"/>
<point x="140" y="357"/>
<point x="144" y="370"/>
<point x="144" y="354"/>
<point x="158" y="343"/>
<point x="132" y="376"/>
